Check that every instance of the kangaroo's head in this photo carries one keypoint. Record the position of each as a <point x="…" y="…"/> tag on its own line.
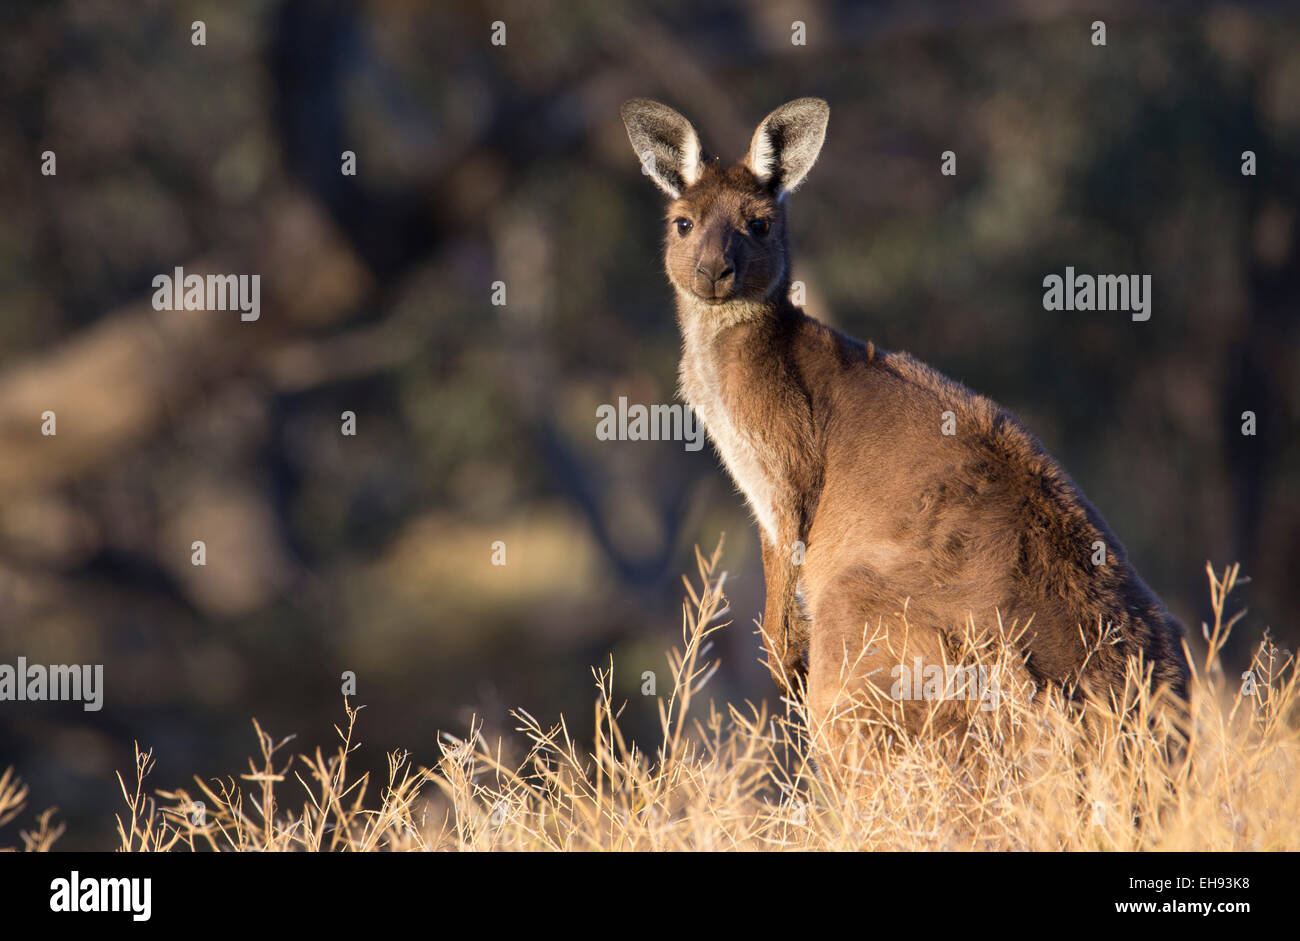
<point x="727" y="240"/>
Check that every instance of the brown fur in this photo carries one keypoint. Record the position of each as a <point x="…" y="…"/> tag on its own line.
<point x="838" y="445"/>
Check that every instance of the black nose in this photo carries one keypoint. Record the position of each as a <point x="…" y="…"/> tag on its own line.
<point x="715" y="272"/>
<point x="714" y="281"/>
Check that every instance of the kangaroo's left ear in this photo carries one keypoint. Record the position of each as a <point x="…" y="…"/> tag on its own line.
<point x="665" y="143"/>
<point x="787" y="143"/>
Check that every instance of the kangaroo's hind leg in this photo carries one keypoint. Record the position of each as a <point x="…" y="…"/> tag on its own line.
<point x="864" y="653"/>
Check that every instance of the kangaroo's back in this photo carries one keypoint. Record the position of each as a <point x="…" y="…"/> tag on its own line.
<point x="945" y="497"/>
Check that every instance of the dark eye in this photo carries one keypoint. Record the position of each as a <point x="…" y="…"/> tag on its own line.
<point x="683" y="225"/>
<point x="759" y="227"/>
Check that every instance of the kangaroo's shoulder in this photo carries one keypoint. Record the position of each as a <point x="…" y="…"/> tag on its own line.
<point x="994" y="430"/>
<point x="859" y="361"/>
<point x="928" y="396"/>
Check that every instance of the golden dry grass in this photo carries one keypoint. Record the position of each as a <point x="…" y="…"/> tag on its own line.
<point x="1027" y="775"/>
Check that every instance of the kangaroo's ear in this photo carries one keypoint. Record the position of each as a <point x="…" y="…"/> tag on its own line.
<point x="787" y="143"/>
<point x="665" y="143"/>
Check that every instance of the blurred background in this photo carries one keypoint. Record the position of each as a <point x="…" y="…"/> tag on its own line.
<point x="475" y="423"/>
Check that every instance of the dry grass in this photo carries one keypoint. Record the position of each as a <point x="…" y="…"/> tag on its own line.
<point x="1030" y="774"/>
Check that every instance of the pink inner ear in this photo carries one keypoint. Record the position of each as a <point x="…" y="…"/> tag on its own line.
<point x="692" y="158"/>
<point x="761" y="156"/>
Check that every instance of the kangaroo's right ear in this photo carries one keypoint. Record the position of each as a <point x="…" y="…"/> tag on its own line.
<point x="665" y="143"/>
<point x="787" y="143"/>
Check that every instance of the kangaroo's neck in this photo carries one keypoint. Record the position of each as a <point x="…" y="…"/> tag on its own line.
<point x="739" y="374"/>
<point x="710" y="331"/>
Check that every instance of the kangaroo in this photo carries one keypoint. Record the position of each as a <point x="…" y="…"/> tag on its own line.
<point x="840" y="446"/>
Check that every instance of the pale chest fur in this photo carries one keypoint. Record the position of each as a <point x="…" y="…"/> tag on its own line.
<point x="741" y="448"/>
